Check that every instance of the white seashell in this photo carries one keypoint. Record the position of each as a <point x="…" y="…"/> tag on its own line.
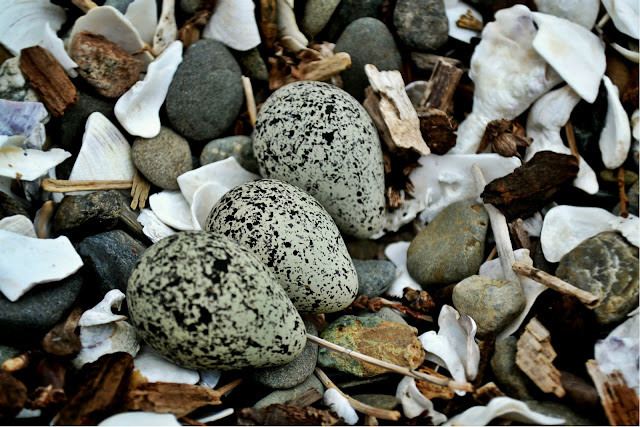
<point x="455" y="8"/>
<point x="621" y="351"/>
<point x="533" y="225"/>
<point x="415" y="91"/>
<point x="49" y="260"/>
<point x="395" y="219"/>
<point x="216" y="416"/>
<point x="24" y="118"/>
<point x="397" y="254"/>
<point x="625" y="15"/>
<point x="227" y="172"/>
<point x="442" y="180"/>
<point x="340" y="405"/>
<point x="288" y="27"/>
<point x="101" y="314"/>
<point x="502" y="407"/>
<point x="461" y="332"/>
<point x="546" y="117"/>
<point x="138" y="109"/>
<point x="28" y="164"/>
<point x="565" y="227"/>
<point x="152" y="227"/>
<point x="615" y="139"/>
<point x="204" y="198"/>
<point x="26" y="23"/>
<point x="583" y="12"/>
<point x="563" y="44"/>
<point x="155" y="368"/>
<point x="508" y="75"/>
<point x="19" y="224"/>
<point x="415" y="403"/>
<point x="172" y="209"/>
<point x="439" y="349"/>
<point x="105" y="153"/>
<point x="29" y="413"/>
<point x="140" y="419"/>
<point x="167" y="31"/>
<point x="631" y="55"/>
<point x="110" y="23"/>
<point x="143" y="15"/>
<point x="530" y="288"/>
<point x="233" y="23"/>
<point x="209" y="378"/>
<point x="635" y="124"/>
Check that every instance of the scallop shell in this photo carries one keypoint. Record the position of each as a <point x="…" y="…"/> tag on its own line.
<point x="19" y="224"/>
<point x="615" y="139"/>
<point x="27" y="262"/>
<point x="583" y="12"/>
<point x="340" y="405"/>
<point x="143" y="15"/>
<point x="156" y="368"/>
<point x="167" y="31"/>
<point x="625" y="15"/>
<point x="234" y="24"/>
<point x="414" y="403"/>
<point x="454" y="9"/>
<point x="502" y="407"/>
<point x="172" y="209"/>
<point x="397" y="254"/>
<point x="138" y="110"/>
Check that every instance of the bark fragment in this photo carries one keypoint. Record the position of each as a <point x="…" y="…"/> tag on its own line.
<point x="281" y="415"/>
<point x="178" y="399"/>
<point x="62" y="339"/>
<point x="484" y="394"/>
<point x="620" y="402"/>
<point x="13" y="395"/>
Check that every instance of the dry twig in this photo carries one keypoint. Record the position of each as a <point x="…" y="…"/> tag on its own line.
<point x="66" y="186"/>
<point x="622" y="193"/>
<point x="139" y="191"/>
<point x="251" y="102"/>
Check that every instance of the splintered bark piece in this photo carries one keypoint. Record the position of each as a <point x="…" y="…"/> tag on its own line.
<point x="622" y="193"/>
<point x="469" y="22"/>
<point x="322" y="69"/>
<point x="428" y="61"/>
<point x="431" y="390"/>
<point x="396" y="109"/>
<point x="620" y="402"/>
<point x="281" y="415"/>
<point x="13" y="395"/>
<point x="500" y="230"/>
<point x="520" y="236"/>
<point x="372" y="105"/>
<point x="530" y="187"/>
<point x="190" y="33"/>
<point x="268" y="22"/>
<point x="442" y="85"/>
<point x="65" y="186"/>
<point x="587" y="298"/>
<point x="48" y="79"/>
<point x="139" y="191"/>
<point x="62" y="339"/>
<point x="105" y="384"/>
<point x="438" y="129"/>
<point x="535" y="356"/>
<point x="484" y="394"/>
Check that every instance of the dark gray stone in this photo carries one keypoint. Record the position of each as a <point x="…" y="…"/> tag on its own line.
<point x="558" y="410"/>
<point x="238" y="146"/>
<point x="121" y="5"/>
<point x="163" y="158"/>
<point x="190" y="6"/>
<point x="385" y="313"/>
<point x="293" y="373"/>
<point x="374" y="276"/>
<point x="382" y="401"/>
<point x="252" y="64"/>
<point x="367" y="41"/>
<point x="421" y="24"/>
<point x="508" y="375"/>
<point x="491" y="303"/>
<point x="109" y="258"/>
<point x="206" y="93"/>
<point x="347" y="12"/>
<point x="316" y="15"/>
<point x="451" y="247"/>
<point x="607" y="266"/>
<point x="37" y="311"/>
<point x="284" y="396"/>
<point x="9" y="206"/>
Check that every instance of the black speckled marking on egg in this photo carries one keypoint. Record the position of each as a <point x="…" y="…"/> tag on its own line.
<point x="295" y="237"/>
<point x="319" y="138"/>
<point x="205" y="302"/>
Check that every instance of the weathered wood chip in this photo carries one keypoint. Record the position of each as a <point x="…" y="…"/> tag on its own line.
<point x="62" y="339"/>
<point x="190" y="31"/>
<point x="13" y="395"/>
<point x="620" y="402"/>
<point x="431" y="390"/>
<point x="438" y="129"/>
<point x="268" y="22"/>
<point x="281" y="415"/>
<point x="484" y="394"/>
<point x="178" y="399"/>
<point x="307" y="398"/>
<point x="442" y="85"/>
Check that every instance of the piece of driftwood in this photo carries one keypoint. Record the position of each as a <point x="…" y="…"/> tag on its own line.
<point x="398" y="113"/>
<point x="620" y="402"/>
<point x="281" y="415"/>
<point x="66" y="186"/>
<point x="43" y="219"/>
<point x="470" y="22"/>
<point x="622" y="193"/>
<point x="139" y="191"/>
<point x="587" y="298"/>
<point x="431" y="390"/>
<point x="532" y="186"/>
<point x="307" y="398"/>
<point x="13" y="395"/>
<point x="84" y="5"/>
<point x="438" y="129"/>
<point x="442" y="85"/>
<point x="48" y="79"/>
<point x="484" y="394"/>
<point x="17" y="363"/>
<point x="190" y="31"/>
<point x="103" y="385"/>
<point x="535" y="356"/>
<point x="428" y="61"/>
<point x="268" y="22"/>
<point x="519" y="234"/>
<point x="62" y="340"/>
<point x="314" y="67"/>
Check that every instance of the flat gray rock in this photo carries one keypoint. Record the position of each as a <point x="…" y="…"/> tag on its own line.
<point x="374" y="276"/>
<point x="421" y="24"/>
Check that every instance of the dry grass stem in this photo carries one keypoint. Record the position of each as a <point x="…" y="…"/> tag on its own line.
<point x="251" y="102"/>
<point x="139" y="191"/>
<point x="65" y="186"/>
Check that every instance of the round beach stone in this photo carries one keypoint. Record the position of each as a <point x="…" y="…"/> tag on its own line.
<point x="319" y="138"/>
<point x="348" y="11"/>
<point x="291" y="233"/>
<point x="451" y="247"/>
<point x="607" y="266"/>
<point x="204" y="302"/>
<point x="374" y="276"/>
<point x="238" y="146"/>
<point x="508" y="375"/>
<point x="283" y="396"/>
<point x="367" y="41"/>
<point x="205" y="95"/>
<point x="163" y="158"/>
<point x="316" y="15"/>
<point x="421" y="24"/>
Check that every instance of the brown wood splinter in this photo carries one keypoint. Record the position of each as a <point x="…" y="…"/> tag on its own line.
<point x="66" y="186"/>
<point x="139" y="191"/>
<point x="620" y="402"/>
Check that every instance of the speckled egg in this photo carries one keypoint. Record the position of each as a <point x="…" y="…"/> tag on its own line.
<point x="319" y="138"/>
<point x="295" y="237"/>
<point x="204" y="302"/>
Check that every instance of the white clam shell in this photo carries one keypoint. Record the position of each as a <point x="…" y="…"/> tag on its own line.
<point x="565" y="227"/>
<point x="233" y="23"/>
<point x="455" y="8"/>
<point x="140" y="419"/>
<point x="563" y="44"/>
<point x="143" y="15"/>
<point x="615" y="139"/>
<point x="205" y="197"/>
<point x="173" y="209"/>
<point x="508" y="75"/>
<point x="502" y="407"/>
<point x="443" y="180"/>
<point x="530" y="288"/>
<point x="110" y="23"/>
<point x="461" y="332"/>
<point x="439" y="349"/>
<point x="288" y="27"/>
<point x="340" y="405"/>
<point x="546" y="117"/>
<point x="583" y="12"/>
<point x="155" y="368"/>
<point x="167" y="30"/>
<point x="27" y="262"/>
<point x="415" y="403"/>
<point x="153" y="227"/>
<point x="102" y="313"/>
<point x="397" y="254"/>
<point x="625" y="15"/>
<point x="620" y="351"/>
<point x="138" y="109"/>
<point x="395" y="219"/>
<point x="19" y="224"/>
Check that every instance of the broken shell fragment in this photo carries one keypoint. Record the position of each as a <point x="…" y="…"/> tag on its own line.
<point x="138" y="110"/>
<point x="49" y="260"/>
<point x="461" y="332"/>
<point x="620" y="351"/>
<point x="19" y="224"/>
<point x="625" y="15"/>
<point x="415" y="403"/>
<point x="234" y="24"/>
<point x="397" y="254"/>
<point x="502" y="407"/>
<point x="167" y="31"/>
<point x="583" y="12"/>
<point x="156" y="368"/>
<point x="340" y="405"/>
<point x="615" y="139"/>
<point x="204" y="198"/>
<point x="24" y="118"/>
<point x="101" y="314"/>
<point x="172" y="209"/>
<point x="143" y="15"/>
<point x="140" y="418"/>
<point x="28" y="164"/>
<point x="454" y="9"/>
<point x="288" y="27"/>
<point x="152" y="227"/>
<point x="440" y="350"/>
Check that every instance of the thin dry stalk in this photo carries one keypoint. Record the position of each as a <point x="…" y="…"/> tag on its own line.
<point x="65" y="186"/>
<point x="492" y="254"/>
<point x="356" y="404"/>
<point x="251" y="102"/>
<point x="139" y="191"/>
<point x="469" y="22"/>
<point x="623" y="194"/>
<point x="571" y="139"/>
<point x="84" y="5"/>
<point x="227" y="388"/>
